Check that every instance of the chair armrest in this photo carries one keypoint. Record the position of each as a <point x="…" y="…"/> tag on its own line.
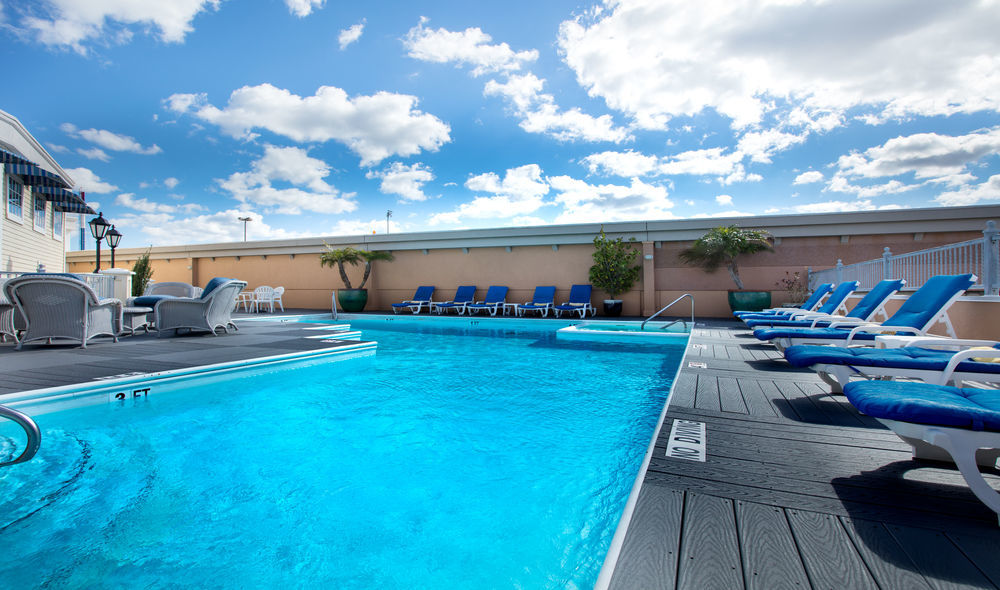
<point x="845" y="321"/>
<point x="956" y="343"/>
<point x="963" y="356"/>
<point x="874" y="328"/>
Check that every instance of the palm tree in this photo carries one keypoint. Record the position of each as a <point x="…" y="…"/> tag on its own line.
<point x="352" y="256"/>
<point x="723" y="245"/>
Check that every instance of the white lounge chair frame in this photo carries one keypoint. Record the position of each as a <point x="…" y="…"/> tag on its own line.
<point x="60" y="307"/>
<point x="210" y="313"/>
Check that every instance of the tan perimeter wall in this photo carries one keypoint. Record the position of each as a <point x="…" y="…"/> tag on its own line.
<point x="523" y="258"/>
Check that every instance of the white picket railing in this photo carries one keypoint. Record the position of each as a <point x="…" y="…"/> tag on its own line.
<point x="980" y="256"/>
<point x="103" y="285"/>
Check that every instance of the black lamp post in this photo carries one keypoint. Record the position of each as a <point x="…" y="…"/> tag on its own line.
<point x="113" y="236"/>
<point x="98" y="228"/>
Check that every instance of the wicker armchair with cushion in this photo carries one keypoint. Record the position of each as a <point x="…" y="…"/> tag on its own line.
<point x="62" y="306"/>
<point x="210" y="311"/>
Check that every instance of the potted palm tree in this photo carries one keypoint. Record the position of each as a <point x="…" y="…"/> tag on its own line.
<point x="722" y="246"/>
<point x="614" y="270"/>
<point x="351" y="299"/>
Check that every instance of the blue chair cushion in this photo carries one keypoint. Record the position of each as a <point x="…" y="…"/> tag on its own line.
<point x="213" y="285"/>
<point x="819" y="333"/>
<point x="910" y="357"/>
<point x="150" y="300"/>
<point x="922" y="403"/>
<point x="779" y="323"/>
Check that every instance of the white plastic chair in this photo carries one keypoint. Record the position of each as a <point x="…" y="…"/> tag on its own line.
<point x="262" y="296"/>
<point x="276" y="298"/>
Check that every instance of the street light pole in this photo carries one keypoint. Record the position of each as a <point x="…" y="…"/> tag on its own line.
<point x="98" y="228"/>
<point x="113" y="236"/>
<point x="245" y="220"/>
<point x="388" y="214"/>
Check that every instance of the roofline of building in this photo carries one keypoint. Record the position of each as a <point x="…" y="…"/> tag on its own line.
<point x="49" y="163"/>
<point x="896" y="221"/>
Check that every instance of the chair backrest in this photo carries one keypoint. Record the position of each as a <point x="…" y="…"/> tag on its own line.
<point x="423" y="293"/>
<point x="214" y="284"/>
<point x="838" y="296"/>
<point x="931" y="301"/>
<point x="875" y="299"/>
<point x="278" y="292"/>
<point x="263" y="293"/>
<point x="580" y="293"/>
<point x="221" y="300"/>
<point x="55" y="299"/>
<point x="175" y="289"/>
<point x="817" y="296"/>
<point x="465" y="294"/>
<point x="544" y="295"/>
<point x="496" y="294"/>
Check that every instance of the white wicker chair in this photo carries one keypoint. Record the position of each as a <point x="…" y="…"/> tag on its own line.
<point x="63" y="307"/>
<point x="211" y="311"/>
<point x="7" y="311"/>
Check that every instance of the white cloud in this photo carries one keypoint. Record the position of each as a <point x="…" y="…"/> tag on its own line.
<point x="759" y="146"/>
<point x="308" y="191"/>
<point x="971" y="194"/>
<point x="470" y="47"/>
<point x="303" y="8"/>
<point x="746" y="60"/>
<point x="374" y="127"/>
<point x="716" y="162"/>
<point x="171" y="182"/>
<point x="926" y="155"/>
<point x="724" y="199"/>
<point x="355" y="227"/>
<point x="109" y="140"/>
<point x="521" y="191"/>
<point x="87" y="181"/>
<point x="72" y="23"/>
<point x="627" y="164"/>
<point x="350" y="34"/>
<point x="94" y="154"/>
<point x="405" y="181"/>
<point x="56" y="148"/>
<point x="587" y="203"/>
<point x="808" y="177"/>
<point x="540" y="114"/>
<point x="527" y="220"/>
<point x="223" y="226"/>
<point x="839" y="184"/>
<point x="130" y="201"/>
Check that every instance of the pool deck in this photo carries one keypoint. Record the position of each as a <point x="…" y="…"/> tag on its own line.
<point x="798" y="490"/>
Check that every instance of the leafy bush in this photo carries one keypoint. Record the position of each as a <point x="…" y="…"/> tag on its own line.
<point x="143" y="272"/>
<point x="613" y="270"/>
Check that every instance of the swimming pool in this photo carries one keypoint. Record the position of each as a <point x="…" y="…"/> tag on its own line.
<point x="454" y="457"/>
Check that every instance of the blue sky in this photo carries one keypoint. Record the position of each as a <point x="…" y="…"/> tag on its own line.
<point x="316" y="117"/>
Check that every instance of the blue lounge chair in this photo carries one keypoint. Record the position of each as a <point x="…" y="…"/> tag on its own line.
<point x="496" y="296"/>
<point x="959" y="421"/>
<point x="925" y="307"/>
<point x="541" y="301"/>
<point x="579" y="302"/>
<point x="940" y="361"/>
<point x="831" y="306"/>
<point x="863" y="311"/>
<point x="421" y="298"/>
<point x="811" y="304"/>
<point x="465" y="295"/>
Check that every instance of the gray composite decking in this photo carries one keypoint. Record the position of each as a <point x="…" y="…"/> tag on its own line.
<point x="42" y="365"/>
<point x="798" y="490"/>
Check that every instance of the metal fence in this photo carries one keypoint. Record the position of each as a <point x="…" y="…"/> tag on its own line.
<point x="103" y="285"/>
<point x="980" y="256"/>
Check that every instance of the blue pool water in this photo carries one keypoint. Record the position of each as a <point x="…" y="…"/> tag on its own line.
<point x="451" y="458"/>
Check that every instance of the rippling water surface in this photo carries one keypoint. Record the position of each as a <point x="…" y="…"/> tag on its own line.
<point x="449" y="459"/>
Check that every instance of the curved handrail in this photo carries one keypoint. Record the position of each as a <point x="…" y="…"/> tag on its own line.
<point x="30" y="429"/>
<point x="667" y="306"/>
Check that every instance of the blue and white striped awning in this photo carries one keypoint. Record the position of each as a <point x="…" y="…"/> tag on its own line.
<point x="64" y="200"/>
<point x="33" y="175"/>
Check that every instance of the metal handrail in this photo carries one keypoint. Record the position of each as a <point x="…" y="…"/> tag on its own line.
<point x="333" y="300"/>
<point x="667" y="306"/>
<point x="30" y="429"/>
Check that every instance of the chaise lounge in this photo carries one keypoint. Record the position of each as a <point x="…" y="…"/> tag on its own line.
<point x="421" y="297"/>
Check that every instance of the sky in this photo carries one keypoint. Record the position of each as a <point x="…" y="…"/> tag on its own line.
<point x="317" y="117"/>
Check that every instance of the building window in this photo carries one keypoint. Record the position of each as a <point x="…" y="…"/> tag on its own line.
<point x="57" y="224"/>
<point x="39" y="213"/>
<point x="15" y="198"/>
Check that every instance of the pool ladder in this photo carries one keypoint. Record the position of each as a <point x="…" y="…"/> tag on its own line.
<point x="667" y="306"/>
<point x="30" y="429"/>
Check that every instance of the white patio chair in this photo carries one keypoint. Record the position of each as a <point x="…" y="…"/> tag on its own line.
<point x="61" y="306"/>
<point x="262" y="296"/>
<point x="276" y="298"/>
<point x="211" y="311"/>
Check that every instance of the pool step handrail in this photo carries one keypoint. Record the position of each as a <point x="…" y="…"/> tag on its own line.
<point x="333" y="299"/>
<point x="667" y="306"/>
<point x="30" y="429"/>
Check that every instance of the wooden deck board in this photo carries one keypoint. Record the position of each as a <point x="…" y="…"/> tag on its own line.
<point x="799" y="490"/>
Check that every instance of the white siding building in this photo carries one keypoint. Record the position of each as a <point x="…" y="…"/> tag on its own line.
<point x="39" y="212"/>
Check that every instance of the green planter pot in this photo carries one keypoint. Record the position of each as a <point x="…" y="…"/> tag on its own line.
<point x="352" y="299"/>
<point x="612" y="307"/>
<point x="749" y="300"/>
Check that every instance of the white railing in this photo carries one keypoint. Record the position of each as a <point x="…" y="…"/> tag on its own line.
<point x="103" y="285"/>
<point x="980" y="256"/>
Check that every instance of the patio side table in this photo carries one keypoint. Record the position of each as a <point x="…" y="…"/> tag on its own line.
<point x="134" y="318"/>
